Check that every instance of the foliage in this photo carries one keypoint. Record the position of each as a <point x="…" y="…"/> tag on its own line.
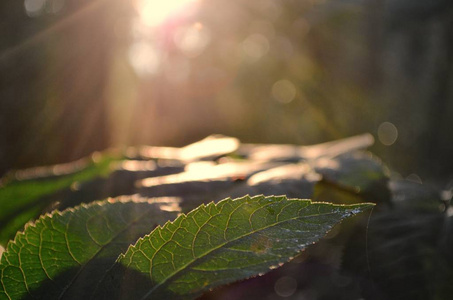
<point x="366" y="257"/>
<point x="72" y="254"/>
<point x="22" y="200"/>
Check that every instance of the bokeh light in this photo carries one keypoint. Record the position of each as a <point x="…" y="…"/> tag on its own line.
<point x="285" y="286"/>
<point x="284" y="91"/>
<point x="255" y="46"/>
<point x="192" y="40"/>
<point x="144" y="58"/>
<point x="414" y="178"/>
<point x="34" y="7"/>
<point x="387" y="133"/>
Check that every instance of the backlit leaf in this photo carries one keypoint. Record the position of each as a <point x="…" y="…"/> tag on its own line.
<point x="64" y="255"/>
<point x="220" y="243"/>
<point x="22" y="199"/>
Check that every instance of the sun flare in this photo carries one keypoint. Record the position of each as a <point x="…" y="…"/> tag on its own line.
<point x="156" y="12"/>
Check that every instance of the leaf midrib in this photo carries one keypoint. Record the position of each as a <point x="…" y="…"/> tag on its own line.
<point x="222" y="245"/>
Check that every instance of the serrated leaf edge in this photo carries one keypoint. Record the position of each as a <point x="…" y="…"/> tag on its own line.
<point x="363" y="207"/>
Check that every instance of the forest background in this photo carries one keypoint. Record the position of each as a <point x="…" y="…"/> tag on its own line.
<point x="78" y="76"/>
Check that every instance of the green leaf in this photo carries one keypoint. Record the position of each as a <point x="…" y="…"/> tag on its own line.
<point x="220" y="243"/>
<point x="64" y="255"/>
<point x="22" y="200"/>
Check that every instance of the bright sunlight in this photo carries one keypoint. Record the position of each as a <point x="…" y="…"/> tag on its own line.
<point x="155" y="12"/>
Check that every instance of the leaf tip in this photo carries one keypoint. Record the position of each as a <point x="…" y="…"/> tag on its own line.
<point x="361" y="207"/>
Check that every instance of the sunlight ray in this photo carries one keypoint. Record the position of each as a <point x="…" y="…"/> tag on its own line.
<point x="41" y="36"/>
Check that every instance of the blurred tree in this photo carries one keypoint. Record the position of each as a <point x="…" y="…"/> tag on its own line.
<point x="417" y="63"/>
<point x="268" y="71"/>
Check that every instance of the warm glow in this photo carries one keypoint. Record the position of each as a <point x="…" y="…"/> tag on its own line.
<point x="155" y="12"/>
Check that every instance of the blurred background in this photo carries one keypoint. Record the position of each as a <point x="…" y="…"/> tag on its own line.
<point x="78" y="76"/>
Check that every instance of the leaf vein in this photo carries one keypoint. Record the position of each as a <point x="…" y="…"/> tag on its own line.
<point x="222" y="245"/>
